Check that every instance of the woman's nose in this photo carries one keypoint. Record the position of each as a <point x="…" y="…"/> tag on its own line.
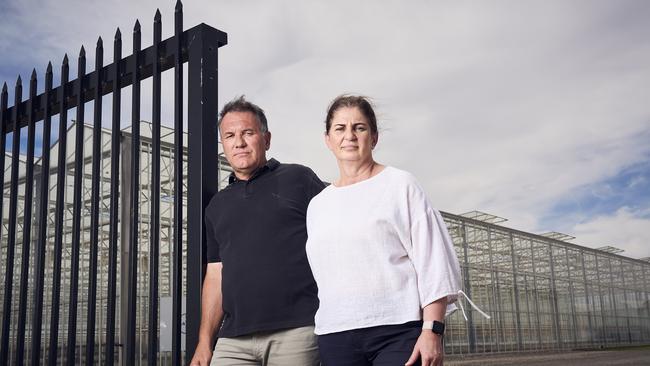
<point x="349" y="134"/>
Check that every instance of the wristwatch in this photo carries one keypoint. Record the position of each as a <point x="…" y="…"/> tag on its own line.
<point x="435" y="326"/>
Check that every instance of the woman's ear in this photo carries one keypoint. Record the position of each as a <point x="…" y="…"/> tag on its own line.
<point x="326" y="136"/>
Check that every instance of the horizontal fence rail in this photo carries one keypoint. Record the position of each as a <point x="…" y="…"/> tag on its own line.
<point x="73" y="240"/>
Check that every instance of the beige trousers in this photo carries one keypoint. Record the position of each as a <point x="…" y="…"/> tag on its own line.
<point x="287" y="347"/>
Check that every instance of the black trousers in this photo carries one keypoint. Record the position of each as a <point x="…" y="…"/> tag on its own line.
<point x="386" y="345"/>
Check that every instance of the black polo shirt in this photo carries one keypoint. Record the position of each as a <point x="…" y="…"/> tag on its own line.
<point x="256" y="228"/>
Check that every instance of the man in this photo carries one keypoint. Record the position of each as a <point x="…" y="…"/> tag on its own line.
<point x="258" y="293"/>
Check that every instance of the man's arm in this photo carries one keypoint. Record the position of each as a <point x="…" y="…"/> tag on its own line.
<point x="211" y="314"/>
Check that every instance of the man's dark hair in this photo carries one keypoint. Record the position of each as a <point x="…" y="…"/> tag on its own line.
<point x="351" y="101"/>
<point x="240" y="104"/>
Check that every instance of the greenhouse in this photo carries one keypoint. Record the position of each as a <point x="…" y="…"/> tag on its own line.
<point x="541" y="291"/>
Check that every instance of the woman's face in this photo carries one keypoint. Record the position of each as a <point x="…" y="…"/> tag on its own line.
<point x="350" y="137"/>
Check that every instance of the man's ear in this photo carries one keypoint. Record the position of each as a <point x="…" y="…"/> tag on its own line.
<point x="267" y="139"/>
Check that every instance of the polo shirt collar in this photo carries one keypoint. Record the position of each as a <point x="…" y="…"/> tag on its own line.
<point x="271" y="164"/>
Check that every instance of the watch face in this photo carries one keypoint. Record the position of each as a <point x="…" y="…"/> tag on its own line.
<point x="438" y="327"/>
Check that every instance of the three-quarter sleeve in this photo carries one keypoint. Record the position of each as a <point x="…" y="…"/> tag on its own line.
<point x="432" y="252"/>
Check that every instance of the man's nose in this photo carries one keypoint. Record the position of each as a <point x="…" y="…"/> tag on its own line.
<point x="240" y="141"/>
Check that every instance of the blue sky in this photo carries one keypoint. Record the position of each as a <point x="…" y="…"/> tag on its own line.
<point x="536" y="111"/>
<point x="629" y="188"/>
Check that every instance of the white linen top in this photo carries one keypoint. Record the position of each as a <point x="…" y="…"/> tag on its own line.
<point x="379" y="253"/>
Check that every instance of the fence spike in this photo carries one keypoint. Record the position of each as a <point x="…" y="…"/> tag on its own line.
<point x="157" y="17"/>
<point x="118" y="34"/>
<point x="48" y="79"/>
<point x="178" y="19"/>
<point x="32" y="84"/>
<point x="100" y="43"/>
<point x="136" y="28"/>
<point x="82" y="52"/>
<point x="65" y="59"/>
<point x="4" y="87"/>
<point x="19" y="81"/>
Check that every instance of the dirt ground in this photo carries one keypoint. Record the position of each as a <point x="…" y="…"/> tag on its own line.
<point x="628" y="357"/>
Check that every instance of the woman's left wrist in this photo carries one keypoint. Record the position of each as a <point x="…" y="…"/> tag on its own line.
<point x="434" y="326"/>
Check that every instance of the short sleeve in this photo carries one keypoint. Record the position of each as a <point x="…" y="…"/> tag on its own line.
<point x="314" y="185"/>
<point x="212" y="249"/>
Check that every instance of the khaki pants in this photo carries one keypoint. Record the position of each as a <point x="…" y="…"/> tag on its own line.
<point x="287" y="347"/>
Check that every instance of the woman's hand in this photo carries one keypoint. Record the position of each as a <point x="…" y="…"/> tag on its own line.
<point x="428" y="349"/>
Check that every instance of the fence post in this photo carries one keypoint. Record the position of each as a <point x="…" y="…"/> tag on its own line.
<point x="202" y="165"/>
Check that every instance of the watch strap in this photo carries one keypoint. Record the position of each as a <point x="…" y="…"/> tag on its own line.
<point x="435" y="326"/>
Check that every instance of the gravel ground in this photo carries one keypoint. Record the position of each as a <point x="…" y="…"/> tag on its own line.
<point x="627" y="357"/>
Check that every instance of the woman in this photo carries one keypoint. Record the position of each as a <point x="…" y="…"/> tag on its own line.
<point x="383" y="261"/>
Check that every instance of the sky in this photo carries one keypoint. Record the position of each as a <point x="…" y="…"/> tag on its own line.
<point x="535" y="111"/>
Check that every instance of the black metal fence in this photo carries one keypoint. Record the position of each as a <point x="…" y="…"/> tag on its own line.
<point x="22" y="339"/>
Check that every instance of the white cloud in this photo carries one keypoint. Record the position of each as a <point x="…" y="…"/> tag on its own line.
<point x="504" y="107"/>
<point x="626" y="229"/>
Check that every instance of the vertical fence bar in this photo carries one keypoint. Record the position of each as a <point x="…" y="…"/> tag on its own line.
<point x="4" y="100"/>
<point x="202" y="168"/>
<point x="154" y="220"/>
<point x="27" y="222"/>
<point x="177" y="282"/>
<point x="115" y="174"/>
<point x="11" y="238"/>
<point x="94" y="204"/>
<point x="77" y="214"/>
<point x="3" y="145"/>
<point x="58" y="224"/>
<point x="42" y="222"/>
<point x="135" y="199"/>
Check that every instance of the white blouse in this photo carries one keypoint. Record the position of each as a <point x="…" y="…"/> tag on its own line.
<point x="379" y="253"/>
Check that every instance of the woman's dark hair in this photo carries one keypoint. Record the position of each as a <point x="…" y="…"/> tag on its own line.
<point x="240" y="104"/>
<point x="351" y="101"/>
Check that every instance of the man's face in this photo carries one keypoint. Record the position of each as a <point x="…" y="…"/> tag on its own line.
<point x="244" y="143"/>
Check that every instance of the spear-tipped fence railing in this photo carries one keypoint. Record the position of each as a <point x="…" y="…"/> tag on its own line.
<point x="37" y="339"/>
